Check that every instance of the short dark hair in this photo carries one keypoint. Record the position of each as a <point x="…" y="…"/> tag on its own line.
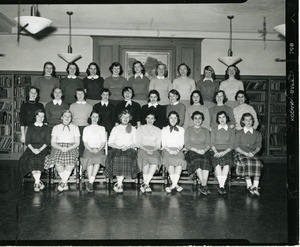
<point x="105" y="90"/>
<point x="166" y="69"/>
<point x="77" y="68"/>
<point x="209" y="68"/>
<point x="219" y="114"/>
<point x="116" y="64"/>
<point x="38" y="93"/>
<point x="174" y="113"/>
<point x="52" y="93"/>
<point x="153" y="91"/>
<point x="127" y="89"/>
<point x="80" y="90"/>
<point x="143" y="67"/>
<point x="187" y="67"/>
<point x="89" y="120"/>
<point x="215" y="96"/>
<point x="247" y="114"/>
<point x="150" y="113"/>
<point x="53" y="68"/>
<point x="237" y="72"/>
<point x="37" y="113"/>
<point x="97" y="68"/>
<point x="197" y="113"/>
<point x="200" y="95"/>
<point x="247" y="99"/>
<point x="174" y="91"/>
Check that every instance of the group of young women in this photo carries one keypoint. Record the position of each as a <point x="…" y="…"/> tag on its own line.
<point x="196" y="127"/>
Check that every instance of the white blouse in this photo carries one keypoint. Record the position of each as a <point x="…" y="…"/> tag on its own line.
<point x="120" y="137"/>
<point x="65" y="134"/>
<point x="174" y="139"/>
<point x="94" y="135"/>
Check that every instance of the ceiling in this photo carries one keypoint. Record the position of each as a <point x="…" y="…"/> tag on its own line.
<point x="248" y="16"/>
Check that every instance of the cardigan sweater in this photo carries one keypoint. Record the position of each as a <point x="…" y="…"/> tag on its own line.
<point x="246" y="141"/>
<point x="93" y="87"/>
<point x="53" y="112"/>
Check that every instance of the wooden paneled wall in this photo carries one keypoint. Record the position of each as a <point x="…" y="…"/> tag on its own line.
<point x="111" y="49"/>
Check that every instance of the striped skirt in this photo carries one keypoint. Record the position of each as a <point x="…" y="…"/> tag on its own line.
<point x="90" y="159"/>
<point x="121" y="163"/>
<point x="146" y="159"/>
<point x="173" y="159"/>
<point x="226" y="160"/>
<point x="195" y="161"/>
<point x="29" y="161"/>
<point x="59" y="158"/>
<point x="248" y="166"/>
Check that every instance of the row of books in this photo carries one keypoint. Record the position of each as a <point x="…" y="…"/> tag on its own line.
<point x="5" y="130"/>
<point x="18" y="148"/>
<point x="5" y="106"/>
<point x="255" y="85"/>
<point x="274" y="129"/>
<point x="5" y="81"/>
<point x="278" y="119"/>
<point x="18" y="103"/>
<point x="278" y="96"/>
<point x="257" y="96"/>
<point x="19" y="91"/>
<point x="5" y="118"/>
<point x="17" y="127"/>
<point x="5" y="142"/>
<point x="278" y="139"/>
<point x="278" y="85"/>
<point x="278" y="152"/>
<point x="23" y="80"/>
<point x="277" y="108"/>
<point x="259" y="108"/>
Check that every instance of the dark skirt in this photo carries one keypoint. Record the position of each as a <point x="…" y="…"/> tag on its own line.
<point x="248" y="166"/>
<point x="195" y="161"/>
<point x="29" y="161"/>
<point x="89" y="158"/>
<point x="59" y="158"/>
<point x="121" y="163"/>
<point x="226" y="160"/>
<point x="173" y="160"/>
<point x="146" y="159"/>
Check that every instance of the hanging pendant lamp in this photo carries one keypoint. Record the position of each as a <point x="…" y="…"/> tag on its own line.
<point x="230" y="59"/>
<point x="33" y="23"/>
<point x="69" y="57"/>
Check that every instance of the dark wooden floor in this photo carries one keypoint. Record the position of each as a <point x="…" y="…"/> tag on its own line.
<point x="134" y="218"/>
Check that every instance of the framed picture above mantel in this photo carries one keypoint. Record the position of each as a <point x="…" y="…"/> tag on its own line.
<point x="149" y="59"/>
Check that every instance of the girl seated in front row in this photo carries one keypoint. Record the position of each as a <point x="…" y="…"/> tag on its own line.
<point x="94" y="139"/>
<point x="172" y="145"/>
<point x="121" y="160"/>
<point x="222" y="142"/>
<point x="248" y="143"/>
<point x="64" y="155"/>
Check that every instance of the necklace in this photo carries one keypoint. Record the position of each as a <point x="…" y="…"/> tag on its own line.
<point x="197" y="130"/>
<point x="115" y="78"/>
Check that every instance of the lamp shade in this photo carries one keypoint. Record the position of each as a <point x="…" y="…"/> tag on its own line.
<point x="280" y="29"/>
<point x="69" y="57"/>
<point x="228" y="61"/>
<point x="35" y="24"/>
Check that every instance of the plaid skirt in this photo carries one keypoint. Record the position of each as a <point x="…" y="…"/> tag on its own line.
<point x="173" y="159"/>
<point x="195" y="161"/>
<point x="248" y="166"/>
<point x="146" y="159"/>
<point x="121" y="163"/>
<point x="227" y="159"/>
<point x="29" y="161"/>
<point x="59" y="158"/>
<point x="90" y="159"/>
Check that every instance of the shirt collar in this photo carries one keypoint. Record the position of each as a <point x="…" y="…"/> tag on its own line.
<point x="93" y="77"/>
<point x="81" y="102"/>
<point x="72" y="77"/>
<point x="104" y="103"/>
<point x="154" y="105"/>
<point x="128" y="102"/>
<point x="135" y="76"/>
<point x="38" y="124"/>
<point x="176" y="103"/>
<point x="248" y="130"/>
<point x="225" y="127"/>
<point x="160" y="77"/>
<point x="55" y="101"/>
<point x="208" y="79"/>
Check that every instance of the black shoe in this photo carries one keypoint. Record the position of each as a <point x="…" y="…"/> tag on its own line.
<point x="250" y="190"/>
<point x="202" y="190"/>
<point x="220" y="190"/>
